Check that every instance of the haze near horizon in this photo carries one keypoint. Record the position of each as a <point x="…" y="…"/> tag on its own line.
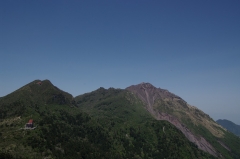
<point x="191" y="48"/>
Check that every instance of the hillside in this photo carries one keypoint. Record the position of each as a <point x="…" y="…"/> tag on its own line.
<point x="137" y="134"/>
<point x="230" y="126"/>
<point x="103" y="124"/>
<point x="197" y="126"/>
<point x="61" y="130"/>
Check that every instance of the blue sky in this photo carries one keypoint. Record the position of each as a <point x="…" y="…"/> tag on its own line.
<point x="191" y="48"/>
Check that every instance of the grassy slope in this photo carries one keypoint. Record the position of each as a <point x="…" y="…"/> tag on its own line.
<point x="201" y="124"/>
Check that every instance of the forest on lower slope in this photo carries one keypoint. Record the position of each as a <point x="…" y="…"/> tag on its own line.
<point x="68" y="133"/>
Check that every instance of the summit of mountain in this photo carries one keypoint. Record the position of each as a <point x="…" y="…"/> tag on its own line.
<point x="34" y="94"/>
<point x="161" y="92"/>
<point x="41" y="91"/>
<point x="149" y="94"/>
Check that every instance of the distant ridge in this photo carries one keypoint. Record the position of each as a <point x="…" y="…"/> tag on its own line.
<point x="230" y="126"/>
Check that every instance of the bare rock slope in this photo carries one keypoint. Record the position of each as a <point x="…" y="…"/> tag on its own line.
<point x="164" y="105"/>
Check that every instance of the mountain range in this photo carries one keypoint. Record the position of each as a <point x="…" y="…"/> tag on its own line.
<point x="141" y="121"/>
<point x="230" y="126"/>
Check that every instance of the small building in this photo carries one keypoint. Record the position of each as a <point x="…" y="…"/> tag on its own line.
<point x="29" y="124"/>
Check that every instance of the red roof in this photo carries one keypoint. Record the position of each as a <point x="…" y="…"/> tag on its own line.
<point x="30" y="121"/>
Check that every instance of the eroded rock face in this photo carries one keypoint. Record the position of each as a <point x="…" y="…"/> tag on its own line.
<point x="224" y="146"/>
<point x="148" y="92"/>
<point x="199" y="141"/>
<point x="150" y="95"/>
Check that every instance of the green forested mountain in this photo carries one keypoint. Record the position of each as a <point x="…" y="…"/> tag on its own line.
<point x="106" y="123"/>
<point x="135" y="132"/>
<point x="32" y="97"/>
<point x="230" y="126"/>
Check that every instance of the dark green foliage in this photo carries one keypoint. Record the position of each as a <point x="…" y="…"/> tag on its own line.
<point x="5" y="155"/>
<point x="15" y="108"/>
<point x="66" y="135"/>
<point x="8" y="155"/>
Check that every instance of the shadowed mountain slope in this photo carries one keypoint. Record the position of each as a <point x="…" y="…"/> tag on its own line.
<point x="230" y="126"/>
<point x="197" y="126"/>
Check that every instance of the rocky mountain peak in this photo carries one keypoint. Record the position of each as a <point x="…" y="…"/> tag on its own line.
<point x="151" y="90"/>
<point x="147" y="85"/>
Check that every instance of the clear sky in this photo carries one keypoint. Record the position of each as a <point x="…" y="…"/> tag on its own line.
<point x="191" y="48"/>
